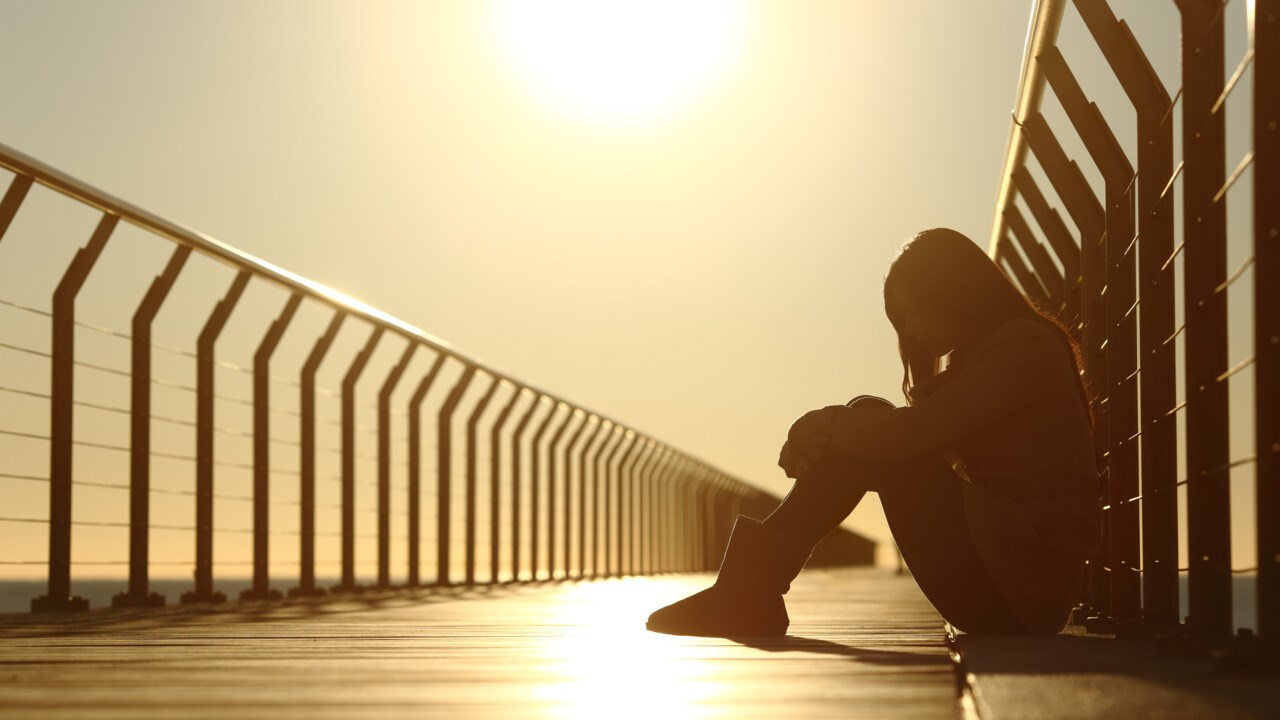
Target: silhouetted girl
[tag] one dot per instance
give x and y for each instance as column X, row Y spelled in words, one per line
column 987, row 476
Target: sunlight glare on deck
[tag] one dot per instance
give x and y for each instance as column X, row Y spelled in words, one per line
column 607, row 665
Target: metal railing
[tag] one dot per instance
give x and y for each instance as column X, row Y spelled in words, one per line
column 553, row 489
column 1146, row 288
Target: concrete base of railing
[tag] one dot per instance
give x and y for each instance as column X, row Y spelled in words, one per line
column 135, row 600
column 191, row 596
column 72, row 603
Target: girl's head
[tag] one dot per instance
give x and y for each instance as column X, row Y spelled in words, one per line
column 943, row 292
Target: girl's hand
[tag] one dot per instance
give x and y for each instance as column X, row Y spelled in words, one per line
column 807, row 441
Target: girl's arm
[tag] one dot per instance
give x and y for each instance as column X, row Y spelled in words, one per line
column 1012, row 372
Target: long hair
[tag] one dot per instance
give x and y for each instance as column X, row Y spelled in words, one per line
column 945, row 269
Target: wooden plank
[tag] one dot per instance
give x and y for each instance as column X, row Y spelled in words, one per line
column 863, row 642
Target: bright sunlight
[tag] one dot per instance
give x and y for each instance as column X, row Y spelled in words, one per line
column 620, row 62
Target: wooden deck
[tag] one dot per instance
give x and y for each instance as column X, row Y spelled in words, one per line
column 863, row 643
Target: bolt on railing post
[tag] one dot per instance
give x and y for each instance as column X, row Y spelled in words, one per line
column 472, row 422
column 415, row 468
column 444, row 471
column 585, row 470
column 1266, row 288
column 384, row 463
column 61, row 411
column 139, row 594
column 568, row 494
column 204, row 591
column 13, row 198
column 261, row 589
column 495, row 485
column 515, row 485
column 348, row 581
column 307, row 479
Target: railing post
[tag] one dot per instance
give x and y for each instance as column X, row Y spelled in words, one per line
column 204, row 591
column 1087, row 213
column 348, row 582
column 680, row 473
column 384, row 463
column 640, row 479
column 600, row 497
column 568, row 494
column 1204, row 269
column 535, row 519
column 1027, row 279
column 1045, row 270
column 613, row 497
column 648, row 518
column 1059, row 237
column 307, row 480
column 715, row 520
column 444, row 470
column 61, row 411
column 700, row 524
column 261, row 589
column 1159, row 384
column 551, row 490
column 515, row 486
column 415, row 469
column 693, row 526
column 13, row 198
column 626, row 472
column 472, row 422
column 652, row 478
column 585, row 469
column 139, row 594
column 1266, row 338
column 495, row 484
column 1122, row 337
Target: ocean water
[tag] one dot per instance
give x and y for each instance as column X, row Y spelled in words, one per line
column 16, row 595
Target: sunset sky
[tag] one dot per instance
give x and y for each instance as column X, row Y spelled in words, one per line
column 681, row 216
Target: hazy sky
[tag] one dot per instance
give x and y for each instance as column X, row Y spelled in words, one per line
column 705, row 270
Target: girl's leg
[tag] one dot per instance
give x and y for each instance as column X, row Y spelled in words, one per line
column 924, row 507
column 816, row 505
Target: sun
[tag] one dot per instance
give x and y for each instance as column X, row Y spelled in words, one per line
column 619, row 62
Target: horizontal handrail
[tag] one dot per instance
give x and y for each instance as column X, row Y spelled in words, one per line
column 1042, row 33
column 23, row 164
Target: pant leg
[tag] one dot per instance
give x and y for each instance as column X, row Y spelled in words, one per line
column 923, row 503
